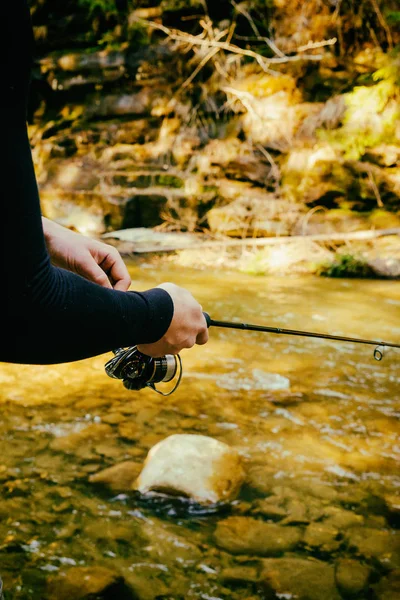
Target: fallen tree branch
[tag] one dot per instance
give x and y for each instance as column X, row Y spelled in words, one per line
column 132, row 247
column 367, row 234
column 186, row 38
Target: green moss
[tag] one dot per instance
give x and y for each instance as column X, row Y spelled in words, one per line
column 169, row 181
column 178, row 5
column 371, row 116
column 101, row 6
column 346, row 265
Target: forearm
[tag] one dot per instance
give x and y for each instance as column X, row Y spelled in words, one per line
column 51, row 315
column 55, row 315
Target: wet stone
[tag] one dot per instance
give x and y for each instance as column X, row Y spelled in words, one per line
column 195, row 466
column 89, row 404
column 262, row 479
column 321, row 536
column 269, row 508
column 240, row 575
column 113, row 418
column 108, row 449
column 381, row 545
column 300, row 579
column 77, row 442
column 118, row 478
column 351, row 577
column 245, row 535
column 81, row 583
column 392, row 503
column 129, row 430
column 341, row 518
column 389, row 587
column 297, row 513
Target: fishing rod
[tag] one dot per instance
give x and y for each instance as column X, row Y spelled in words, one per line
column 138, row 370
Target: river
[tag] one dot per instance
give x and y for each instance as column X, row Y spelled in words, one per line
column 316, row 422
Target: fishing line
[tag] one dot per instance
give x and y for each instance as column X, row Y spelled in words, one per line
column 138, row 371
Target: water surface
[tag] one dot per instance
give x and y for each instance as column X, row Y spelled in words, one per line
column 316, row 422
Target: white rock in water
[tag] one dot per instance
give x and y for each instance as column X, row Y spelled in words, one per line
column 195, row 466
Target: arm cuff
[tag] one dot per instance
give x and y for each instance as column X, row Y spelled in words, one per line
column 161, row 310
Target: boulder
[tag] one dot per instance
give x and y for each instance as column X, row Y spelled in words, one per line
column 196, row 466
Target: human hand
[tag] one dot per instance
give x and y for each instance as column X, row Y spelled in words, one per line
column 188, row 326
column 93, row 260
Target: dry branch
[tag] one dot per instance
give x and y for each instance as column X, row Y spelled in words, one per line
column 199, row 40
column 365, row 235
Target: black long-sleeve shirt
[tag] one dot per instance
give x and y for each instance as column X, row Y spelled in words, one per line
column 50, row 315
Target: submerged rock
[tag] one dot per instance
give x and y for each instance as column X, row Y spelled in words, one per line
column 388, row 587
column 322, row 536
column 381, row 545
column 81, row 439
column 300, row 579
column 351, row 577
column 245, row 535
column 196, row 466
column 81, row 583
column 118, row 478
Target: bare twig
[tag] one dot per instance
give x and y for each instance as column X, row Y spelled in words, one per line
column 199, row 40
column 313, row 45
column 375, row 189
column 383, row 23
column 199, row 67
column 274, row 167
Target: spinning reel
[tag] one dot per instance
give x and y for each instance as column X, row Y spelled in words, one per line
column 138, row 370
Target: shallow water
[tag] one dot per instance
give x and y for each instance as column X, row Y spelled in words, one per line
column 316, row 422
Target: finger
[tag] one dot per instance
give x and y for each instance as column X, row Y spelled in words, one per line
column 202, row 338
column 90, row 270
column 117, row 272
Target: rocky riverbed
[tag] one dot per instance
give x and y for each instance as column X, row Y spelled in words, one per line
column 314, row 422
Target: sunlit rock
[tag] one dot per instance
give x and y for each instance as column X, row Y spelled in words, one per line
column 195, row 466
column 119, row 477
column 245, row 535
column 300, row 579
column 258, row 215
column 351, row 577
column 81, row 583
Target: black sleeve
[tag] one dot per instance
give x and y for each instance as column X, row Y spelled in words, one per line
column 50, row 315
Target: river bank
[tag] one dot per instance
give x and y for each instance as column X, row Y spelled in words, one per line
column 179, row 116
column 365, row 254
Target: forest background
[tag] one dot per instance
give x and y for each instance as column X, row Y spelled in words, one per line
column 262, row 135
